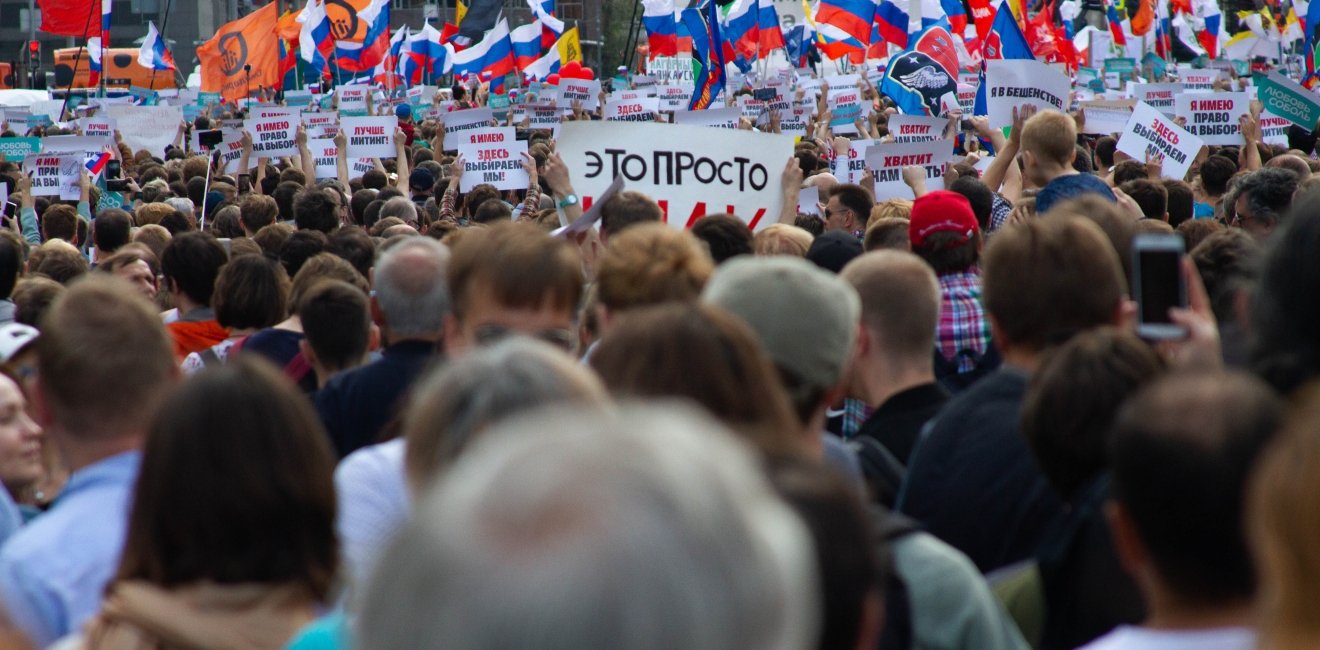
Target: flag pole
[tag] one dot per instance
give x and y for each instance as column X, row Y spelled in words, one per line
column 164, row 24
column 96, row 11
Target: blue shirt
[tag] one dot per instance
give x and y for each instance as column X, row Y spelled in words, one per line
column 54, row 571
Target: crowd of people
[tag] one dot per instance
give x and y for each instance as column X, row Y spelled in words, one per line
column 250, row 408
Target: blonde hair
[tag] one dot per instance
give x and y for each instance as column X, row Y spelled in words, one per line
column 891, row 209
column 1051, row 136
column 651, row 263
column 782, row 239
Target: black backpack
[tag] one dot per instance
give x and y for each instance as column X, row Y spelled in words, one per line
column 888, row 528
column 946, row 371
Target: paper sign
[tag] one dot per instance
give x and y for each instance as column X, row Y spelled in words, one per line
column 1015, row 83
column 887, row 161
column 849, row 168
column 640, row 109
column 97, row 126
column 352, row 99
column 722, row 118
column 12, row 149
column 691, row 171
column 586, row 91
column 146, row 127
column 1196, row 81
column 263, row 112
column 967, row 98
column 472, row 118
column 1159, row 96
column 845, row 105
column 544, row 118
column 273, row 137
column 1287, row 99
column 492, row 156
column 326, row 157
column 916, row 128
column 1213, row 117
column 809, row 201
column 1150, row 131
column 315, row 119
column 794, row 121
column 231, row 147
column 51, row 174
column 673, row 98
column 1106, row 117
column 589, row 218
column 370, row 137
column 1273, row 129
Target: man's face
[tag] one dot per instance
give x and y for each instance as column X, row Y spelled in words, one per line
column 838, row 217
column 487, row 322
column 140, row 275
column 1252, row 223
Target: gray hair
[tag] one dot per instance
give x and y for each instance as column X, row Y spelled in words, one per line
column 182, row 204
column 401, row 207
column 650, row 528
column 410, row 287
column 451, row 406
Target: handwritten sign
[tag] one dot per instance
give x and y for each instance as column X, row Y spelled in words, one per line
column 51, row 174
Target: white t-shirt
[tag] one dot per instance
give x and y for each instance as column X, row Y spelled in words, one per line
column 1140, row 638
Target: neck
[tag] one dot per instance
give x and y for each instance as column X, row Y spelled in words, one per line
column 82, row 453
column 1019, row 357
column 1048, row 172
column 877, row 381
column 1169, row 612
column 183, row 303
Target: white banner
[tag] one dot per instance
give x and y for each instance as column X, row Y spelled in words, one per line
column 472, row 118
column 1104, row 117
column 273, row 137
column 722, row 118
column 370, row 137
column 146, row 127
column 1015, row 83
column 887, row 161
column 916, row 128
column 52, row 175
column 1150, row 131
column 492, row 156
column 1213, row 117
column 352, row 99
column 690, row 171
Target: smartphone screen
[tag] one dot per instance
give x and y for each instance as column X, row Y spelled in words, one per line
column 1160, row 284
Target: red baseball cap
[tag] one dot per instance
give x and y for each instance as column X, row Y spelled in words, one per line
column 941, row 211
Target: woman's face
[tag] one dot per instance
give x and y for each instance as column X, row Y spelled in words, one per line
column 20, row 439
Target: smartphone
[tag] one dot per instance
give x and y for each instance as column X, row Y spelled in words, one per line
column 210, row 139
column 1158, row 284
column 113, row 168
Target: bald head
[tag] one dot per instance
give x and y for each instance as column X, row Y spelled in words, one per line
column 900, row 302
column 411, row 292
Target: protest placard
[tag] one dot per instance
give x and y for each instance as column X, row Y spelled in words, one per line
column 637, row 109
column 316, row 119
column 103, row 127
column 1213, row 117
column 845, row 106
column 586, row 91
column 472, row 118
column 1151, row 132
column 916, row 128
column 52, row 173
column 1106, row 117
column 967, row 98
column 809, row 201
column 1197, row 81
column 370, row 137
column 723, row 118
column 263, row 112
column 794, row 121
column 419, row 96
column 849, row 168
column 1287, row 99
column 325, row 155
column 690, row 171
column 673, row 98
column 352, row 99
column 1158, row 96
column 544, row 118
column 12, row 149
column 146, row 127
column 231, row 147
column 273, row 137
column 887, row 161
column 493, row 156
column 1015, row 83
column 1274, row 129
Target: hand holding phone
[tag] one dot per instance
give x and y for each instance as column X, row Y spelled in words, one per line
column 1158, row 284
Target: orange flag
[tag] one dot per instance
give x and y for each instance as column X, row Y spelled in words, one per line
column 1144, row 18
column 248, row 41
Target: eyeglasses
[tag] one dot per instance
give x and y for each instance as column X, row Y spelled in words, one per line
column 563, row 339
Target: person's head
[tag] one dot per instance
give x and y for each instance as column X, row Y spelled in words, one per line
column 1227, row 261
column 1214, row 174
column 805, row 319
column 900, row 309
column 725, row 236
column 154, row 237
column 781, row 239
column 236, row 487
column 832, row 250
column 111, row 230
column 151, row 213
column 191, row 264
column 1293, row 162
column 314, row 209
column 1049, row 143
column 12, row 258
column 512, row 279
column 889, row 233
column 1263, row 196
column 271, row 238
column 1104, row 153
column 401, row 208
column 1181, row 205
column 1049, row 279
column 137, row 265
column 1150, row 196
column 284, row 195
column 299, row 247
column 412, row 298
column 459, row 401
column 1180, row 455
column 848, row 208
column 104, row 363
column 60, row 221
column 648, row 265
column 336, row 323
column 1286, row 349
column 355, row 246
column 981, row 199
column 1073, row 398
column 250, row 293
column 704, row 354
column 420, row 182
column 324, row 266
column 944, row 232
column 20, row 437
column 33, row 297
column 660, row 525
column 627, row 209
column 1128, row 171
column 256, row 211
column 59, row 260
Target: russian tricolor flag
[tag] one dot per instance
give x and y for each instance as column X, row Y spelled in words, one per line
column 851, row 17
column 526, row 42
column 95, row 165
column 364, row 56
column 315, row 42
column 97, row 44
column 741, row 29
column 892, row 24
column 1115, row 25
column 544, row 66
column 153, row 54
column 424, row 52
column 494, row 53
column 771, row 34
column 661, row 27
column 387, row 71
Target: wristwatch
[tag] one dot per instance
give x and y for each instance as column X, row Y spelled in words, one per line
column 568, row 200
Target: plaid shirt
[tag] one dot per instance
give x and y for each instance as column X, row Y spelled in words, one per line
column 963, row 326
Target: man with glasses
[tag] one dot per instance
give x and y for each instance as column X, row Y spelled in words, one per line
column 1261, row 199
column 848, row 209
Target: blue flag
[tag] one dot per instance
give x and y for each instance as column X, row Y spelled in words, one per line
column 703, row 23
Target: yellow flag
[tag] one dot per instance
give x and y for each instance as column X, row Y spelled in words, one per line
column 569, row 47
column 459, row 12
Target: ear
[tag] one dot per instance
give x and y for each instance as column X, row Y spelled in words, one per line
column 41, row 410
column 377, row 314
column 1127, row 541
column 373, row 338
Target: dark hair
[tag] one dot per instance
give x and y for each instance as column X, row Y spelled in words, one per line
column 314, row 210
column 192, row 260
column 810, row 223
column 236, row 487
column 354, row 245
column 1073, row 398
column 1215, row 173
column 62, row 264
column 176, row 223
column 111, row 230
column 516, row 265
column 374, row 179
column 196, row 190
column 1268, row 192
column 284, row 195
column 337, row 323
column 300, row 246
column 1149, row 195
column 855, row 198
column 358, row 205
column 1227, row 261
column 492, row 210
column 950, row 252
column 1082, row 161
column 1287, row 301
column 980, row 196
column 12, row 254
column 1181, row 204
column 32, row 296
column 725, row 235
column 1128, row 170
column 60, row 221
column 626, row 209
column 250, row 293
column 1104, row 151
column 1180, row 454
